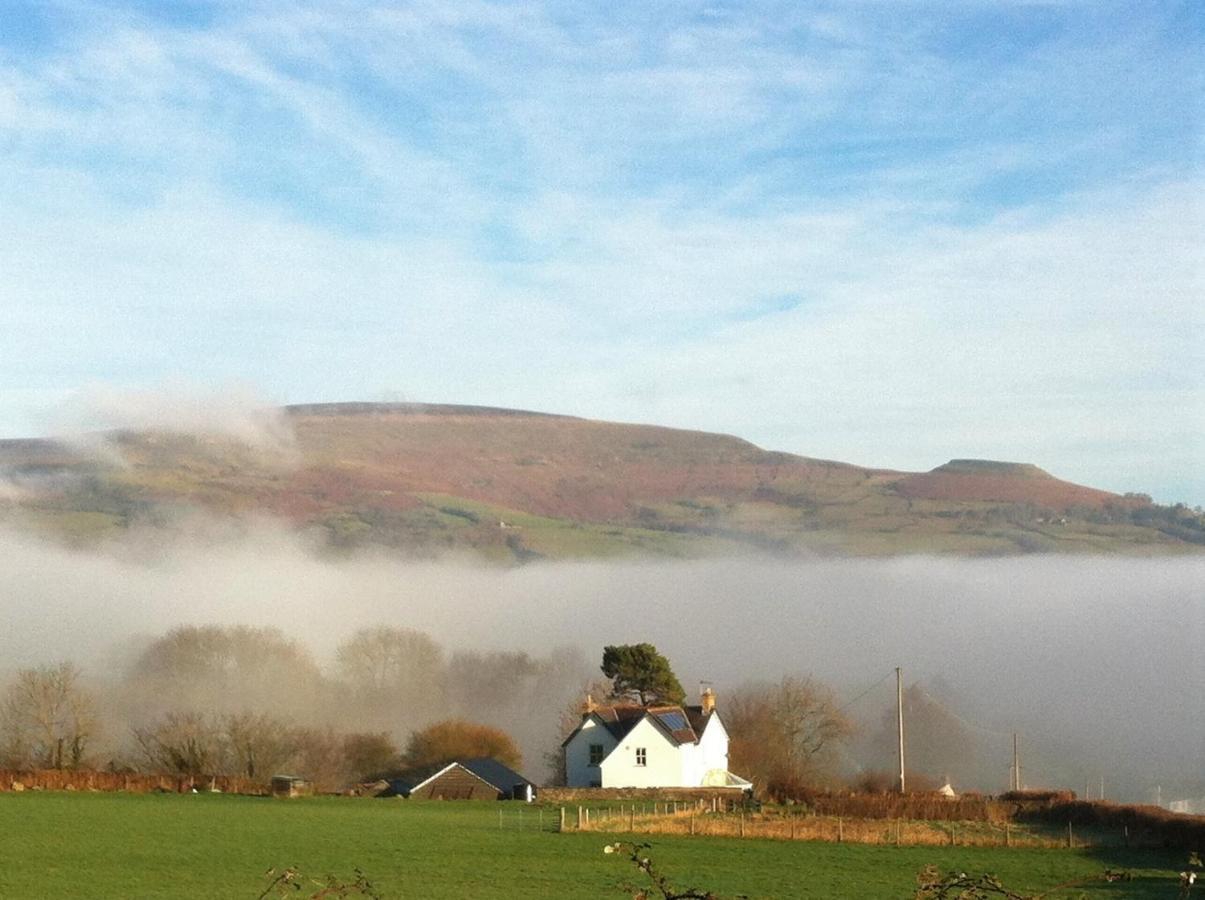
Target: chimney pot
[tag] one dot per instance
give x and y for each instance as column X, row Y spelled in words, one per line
column 708, row 701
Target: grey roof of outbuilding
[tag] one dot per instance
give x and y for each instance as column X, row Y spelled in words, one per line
column 487, row 769
column 492, row 772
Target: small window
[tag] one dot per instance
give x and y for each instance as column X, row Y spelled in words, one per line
column 642, row 756
column 596, row 754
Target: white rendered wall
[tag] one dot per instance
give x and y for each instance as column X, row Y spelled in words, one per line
column 712, row 751
column 664, row 762
column 578, row 771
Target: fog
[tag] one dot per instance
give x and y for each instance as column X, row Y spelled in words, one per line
column 1098, row 663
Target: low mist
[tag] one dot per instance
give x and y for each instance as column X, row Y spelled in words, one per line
column 1099, row 664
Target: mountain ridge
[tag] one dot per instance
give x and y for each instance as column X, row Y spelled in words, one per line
column 424, row 479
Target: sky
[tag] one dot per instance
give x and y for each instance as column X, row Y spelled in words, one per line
column 889, row 232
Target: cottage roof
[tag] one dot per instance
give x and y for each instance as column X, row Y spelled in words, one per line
column 681, row 724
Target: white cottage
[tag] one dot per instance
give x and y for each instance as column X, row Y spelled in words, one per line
column 630, row 746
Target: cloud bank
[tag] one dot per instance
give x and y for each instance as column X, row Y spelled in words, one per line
column 1096, row 662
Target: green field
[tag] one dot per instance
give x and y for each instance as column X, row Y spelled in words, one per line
column 214, row 846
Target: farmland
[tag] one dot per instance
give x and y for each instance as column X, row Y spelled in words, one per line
column 183, row 846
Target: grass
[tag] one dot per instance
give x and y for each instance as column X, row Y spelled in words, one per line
column 185, row 846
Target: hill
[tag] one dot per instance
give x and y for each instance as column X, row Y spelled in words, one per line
column 514, row 485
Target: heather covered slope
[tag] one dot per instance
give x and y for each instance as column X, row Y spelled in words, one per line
column 513, row 485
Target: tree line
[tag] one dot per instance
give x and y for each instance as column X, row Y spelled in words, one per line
column 235, row 700
column 252, row 702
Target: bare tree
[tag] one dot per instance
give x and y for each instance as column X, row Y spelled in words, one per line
column 257, row 745
column 225, row 668
column 782, row 734
column 390, row 661
column 321, row 758
column 251, row 745
column 939, row 744
column 48, row 718
column 187, row 743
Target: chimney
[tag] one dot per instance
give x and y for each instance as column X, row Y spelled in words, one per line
column 589, row 705
column 708, row 701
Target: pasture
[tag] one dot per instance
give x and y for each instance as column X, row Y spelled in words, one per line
column 206, row 846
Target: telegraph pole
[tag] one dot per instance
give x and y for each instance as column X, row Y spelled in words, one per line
column 1016, row 763
column 899, row 709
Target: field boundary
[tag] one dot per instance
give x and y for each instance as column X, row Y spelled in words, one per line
column 18, row 780
column 702, row 819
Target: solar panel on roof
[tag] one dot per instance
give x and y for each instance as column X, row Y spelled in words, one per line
column 672, row 720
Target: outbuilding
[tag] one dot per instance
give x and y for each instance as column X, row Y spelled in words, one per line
column 467, row 779
column 290, row 786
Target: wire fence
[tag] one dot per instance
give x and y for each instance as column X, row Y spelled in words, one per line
column 693, row 820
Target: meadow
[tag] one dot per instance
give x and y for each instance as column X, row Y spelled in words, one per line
column 194, row 846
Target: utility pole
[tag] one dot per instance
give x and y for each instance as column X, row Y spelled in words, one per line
column 1102, row 788
column 1016, row 763
column 899, row 709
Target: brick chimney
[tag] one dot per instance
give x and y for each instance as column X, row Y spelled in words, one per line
column 708, row 701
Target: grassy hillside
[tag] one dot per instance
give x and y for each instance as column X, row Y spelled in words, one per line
column 513, row 485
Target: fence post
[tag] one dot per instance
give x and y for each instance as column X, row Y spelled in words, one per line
column 1007, row 835
column 580, row 820
column 897, row 832
column 1125, row 835
column 499, row 818
column 1070, row 837
column 692, row 823
column 840, row 830
column 953, row 832
column 562, row 828
column 792, row 827
column 742, row 823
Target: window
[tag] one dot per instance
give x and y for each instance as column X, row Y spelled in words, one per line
column 596, row 754
column 642, row 756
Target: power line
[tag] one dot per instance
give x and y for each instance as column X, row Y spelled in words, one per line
column 846, row 706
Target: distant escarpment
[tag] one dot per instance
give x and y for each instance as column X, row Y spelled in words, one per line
column 420, row 480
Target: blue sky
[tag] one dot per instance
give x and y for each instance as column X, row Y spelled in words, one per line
column 887, row 232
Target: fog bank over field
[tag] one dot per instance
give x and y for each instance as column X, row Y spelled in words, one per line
column 1099, row 663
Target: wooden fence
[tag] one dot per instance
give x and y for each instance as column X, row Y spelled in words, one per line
column 698, row 819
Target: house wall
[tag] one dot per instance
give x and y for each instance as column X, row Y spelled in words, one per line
column 663, row 760
column 578, row 771
column 711, row 753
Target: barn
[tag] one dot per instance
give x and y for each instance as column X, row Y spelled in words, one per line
column 467, row 779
